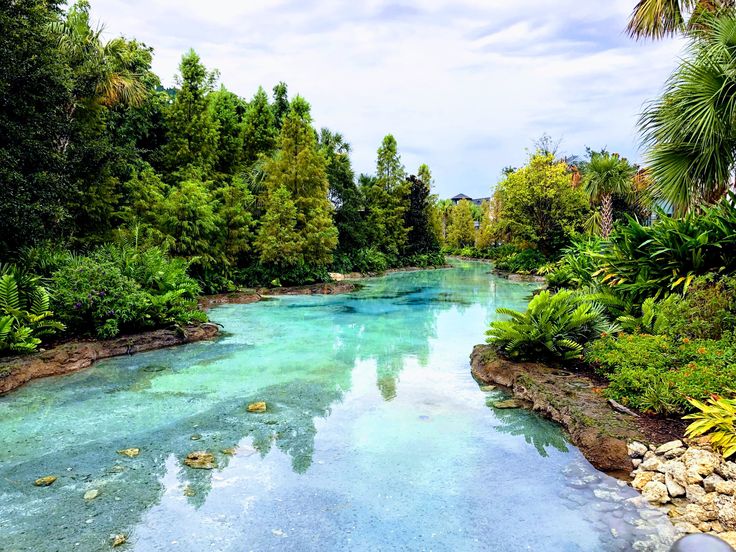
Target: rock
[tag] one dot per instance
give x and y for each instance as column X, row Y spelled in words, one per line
column 636, row 462
column 656, row 492
column 673, row 487
column 709, row 483
column 229, row 451
column 726, row 511
column 509, row 403
column 45, row 481
column 130, row 452
column 726, row 487
column 729, row 537
column 668, row 447
column 716, row 527
column 708, row 503
column 694, row 493
column 118, row 540
column 257, row 407
column 692, row 476
column 196, row 437
column 696, row 514
column 653, row 463
column 637, row 449
column 676, row 469
column 487, row 388
column 727, row 470
column 641, row 479
column 336, row 276
column 674, row 453
column 201, row 460
column 705, row 527
column 189, row 491
column 618, row 407
column 685, row 527
column 91, row 494
column 701, row 461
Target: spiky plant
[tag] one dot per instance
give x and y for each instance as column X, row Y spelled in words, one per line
column 716, row 419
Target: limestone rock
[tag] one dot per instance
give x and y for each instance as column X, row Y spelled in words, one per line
column 726, row 510
column 653, row 463
column 729, row 537
column 709, row 483
column 118, row 540
column 686, row 528
column 701, row 461
column 641, row 479
column 727, row 470
column 486, row 388
column 201, row 460
column 229, row 451
column 692, row 475
column 673, row 487
column 91, row 494
column 674, row 453
column 726, row 487
column 45, row 481
column 257, row 407
column 656, row 492
column 636, row 462
column 510, row 403
column 636, row 449
column 676, row 470
column 694, row 493
column 668, row 447
column 130, row 452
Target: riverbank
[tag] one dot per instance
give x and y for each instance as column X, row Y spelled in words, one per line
column 574, row 401
column 510, row 276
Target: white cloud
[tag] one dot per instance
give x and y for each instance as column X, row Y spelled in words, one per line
column 463, row 85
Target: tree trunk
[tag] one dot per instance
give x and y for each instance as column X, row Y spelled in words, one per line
column 606, row 215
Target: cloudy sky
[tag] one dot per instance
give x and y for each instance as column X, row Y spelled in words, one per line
column 464, row 85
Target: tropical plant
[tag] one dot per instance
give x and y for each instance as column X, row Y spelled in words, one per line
column 649, row 321
column 660, row 18
column 716, row 419
column 607, row 175
column 554, row 325
column 688, row 131
column 25, row 315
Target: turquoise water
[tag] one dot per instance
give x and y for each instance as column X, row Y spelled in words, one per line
column 376, row 438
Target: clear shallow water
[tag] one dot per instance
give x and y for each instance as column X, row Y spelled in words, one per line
column 376, row 438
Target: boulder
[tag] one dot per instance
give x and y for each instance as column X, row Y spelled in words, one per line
column 641, row 479
column 709, row 483
column 694, row 493
column 674, row 453
column 637, row 449
column 257, row 407
column 702, row 462
column 726, row 511
column 656, row 492
column 130, row 452
column 673, row 487
column 118, row 540
column 668, row 447
column 653, row 463
column 510, row 403
column 727, row 470
column 91, row 494
column 726, row 487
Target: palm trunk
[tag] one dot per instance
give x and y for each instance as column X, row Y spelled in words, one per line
column 606, row 215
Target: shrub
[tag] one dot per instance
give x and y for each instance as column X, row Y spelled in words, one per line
column 25, row 316
column 554, row 326
column 117, row 289
column 717, row 419
column 522, row 262
column 577, row 265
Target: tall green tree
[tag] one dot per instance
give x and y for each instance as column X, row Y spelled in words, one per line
column 235, row 204
column 227, row 110
column 34, row 91
column 387, row 201
column 461, row 226
column 608, row 175
column 422, row 237
column 281, row 105
column 193, row 132
column 344, row 193
column 279, row 241
column 259, row 129
column 689, row 130
column 300, row 168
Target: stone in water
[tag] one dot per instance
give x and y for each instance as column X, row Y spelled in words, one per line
column 91, row 494
column 200, row 460
column 44, row 481
column 257, row 407
column 130, row 452
column 510, row 403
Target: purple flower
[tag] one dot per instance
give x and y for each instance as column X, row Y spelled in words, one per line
column 101, row 294
column 78, row 305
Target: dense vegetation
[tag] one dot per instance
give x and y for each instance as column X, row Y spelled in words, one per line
column 122, row 201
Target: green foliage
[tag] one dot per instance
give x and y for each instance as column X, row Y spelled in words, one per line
column 650, row 261
column 607, row 175
column 117, row 290
column 279, row 242
column 258, row 129
column 539, row 207
column 227, row 111
column 715, row 418
column 461, row 226
column 25, row 314
column 422, row 238
column 578, row 264
column 386, row 201
column 526, row 261
column 553, row 326
column 658, row 373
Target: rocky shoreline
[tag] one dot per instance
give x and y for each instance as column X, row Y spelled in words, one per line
column 76, row 355
column 695, row 485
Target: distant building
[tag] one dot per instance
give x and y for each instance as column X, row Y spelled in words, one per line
column 460, row 197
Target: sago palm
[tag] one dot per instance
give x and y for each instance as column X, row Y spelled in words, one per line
column 608, row 175
column 689, row 131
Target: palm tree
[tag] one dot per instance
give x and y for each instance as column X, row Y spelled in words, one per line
column 689, row 130
column 660, row 18
column 607, row 175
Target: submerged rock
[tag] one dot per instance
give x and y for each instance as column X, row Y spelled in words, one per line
column 257, row 407
column 118, row 540
column 189, row 491
column 510, row 403
column 486, row 388
column 201, row 460
column 45, row 481
column 130, row 452
column 229, row 451
column 91, row 494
